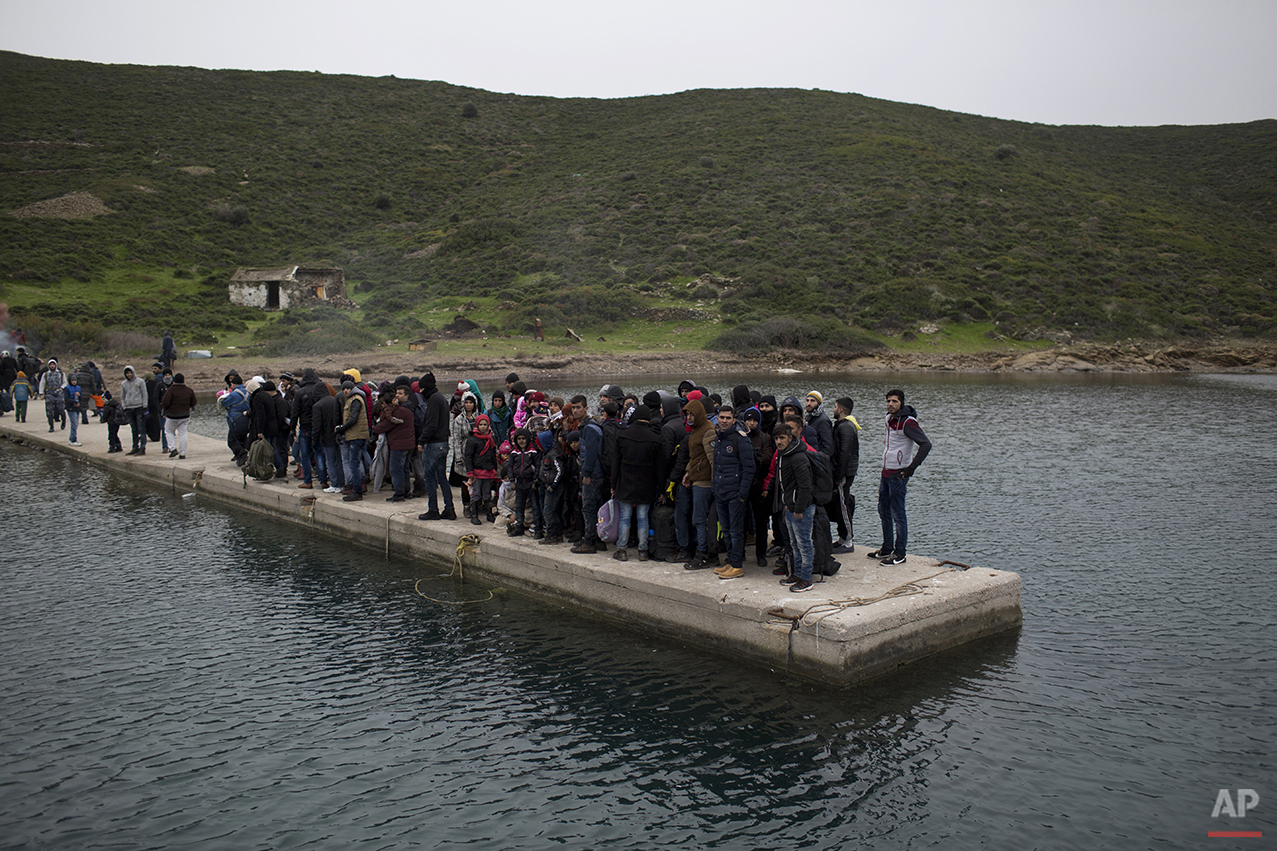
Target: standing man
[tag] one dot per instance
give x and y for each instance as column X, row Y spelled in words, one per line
column 906, row 447
column 845, row 463
column 354, row 429
column 592, row 475
column 133, row 397
column 168, row 350
column 794, row 500
column 434, row 450
column 819, row 420
column 52, row 383
column 733, row 474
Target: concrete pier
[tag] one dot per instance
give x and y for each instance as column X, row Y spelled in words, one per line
column 864, row 622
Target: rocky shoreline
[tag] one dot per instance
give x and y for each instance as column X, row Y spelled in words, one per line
column 1113, row 358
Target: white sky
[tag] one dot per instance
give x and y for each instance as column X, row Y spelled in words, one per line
column 1110, row 62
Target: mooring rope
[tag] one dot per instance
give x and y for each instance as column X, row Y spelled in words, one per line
column 465, row 544
column 824, row 610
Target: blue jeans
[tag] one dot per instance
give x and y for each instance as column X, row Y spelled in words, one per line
column 75, row 421
column 328, row 463
column 302, row 451
column 591, row 501
column 701, row 499
column 352, row 454
column 800, row 540
column 623, row 530
column 434, row 459
column 400, row 471
column 731, row 517
column 891, row 508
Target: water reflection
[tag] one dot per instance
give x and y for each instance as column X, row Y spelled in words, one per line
column 177, row 672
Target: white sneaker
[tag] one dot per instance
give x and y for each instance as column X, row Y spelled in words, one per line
column 73, row 443
column 332, row 490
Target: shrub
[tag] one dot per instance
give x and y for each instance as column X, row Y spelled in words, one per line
column 232, row 215
column 1006, row 152
column 812, row 334
column 382, row 202
column 469, row 110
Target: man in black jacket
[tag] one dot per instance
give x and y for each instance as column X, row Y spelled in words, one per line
column 433, row 444
column 302, row 407
column 846, row 462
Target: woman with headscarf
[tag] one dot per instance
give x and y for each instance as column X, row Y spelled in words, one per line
column 462, row 428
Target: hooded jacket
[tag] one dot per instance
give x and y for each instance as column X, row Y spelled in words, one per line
column 793, row 479
column 133, row 392
column 700, row 470
column 846, row 457
column 524, row 463
column 325, row 415
column 304, row 400
column 435, row 428
column 733, row 466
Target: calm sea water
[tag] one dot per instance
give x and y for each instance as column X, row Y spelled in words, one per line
column 175, row 672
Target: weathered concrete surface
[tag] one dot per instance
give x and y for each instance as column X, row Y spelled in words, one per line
column 864, row 622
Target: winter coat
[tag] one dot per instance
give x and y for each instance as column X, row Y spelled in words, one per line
column 636, row 466
column 399, row 435
column 699, row 461
column 793, row 479
column 325, row 415
column 846, row 455
column 733, row 468
column 522, row 467
column 178, row 402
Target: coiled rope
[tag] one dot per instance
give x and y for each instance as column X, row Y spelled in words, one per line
column 465, row 544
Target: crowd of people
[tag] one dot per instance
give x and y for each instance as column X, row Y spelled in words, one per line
column 683, row 475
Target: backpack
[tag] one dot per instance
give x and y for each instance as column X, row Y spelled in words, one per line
column 664, row 539
column 822, row 477
column 261, row 460
column 609, row 523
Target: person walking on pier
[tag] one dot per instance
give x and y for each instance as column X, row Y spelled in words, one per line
column 906, row 447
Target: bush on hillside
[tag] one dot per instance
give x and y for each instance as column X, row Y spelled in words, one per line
column 812, row 334
column 317, row 331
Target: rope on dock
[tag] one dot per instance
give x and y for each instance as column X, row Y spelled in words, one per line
column 824, row 610
column 465, row 544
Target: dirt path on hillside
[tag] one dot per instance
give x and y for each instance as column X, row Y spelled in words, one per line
column 557, row 367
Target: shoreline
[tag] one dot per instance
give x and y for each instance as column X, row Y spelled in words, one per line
column 1127, row 358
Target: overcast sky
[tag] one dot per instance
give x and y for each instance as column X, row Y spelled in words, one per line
column 1113, row 62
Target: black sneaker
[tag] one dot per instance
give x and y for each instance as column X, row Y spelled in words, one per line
column 352, row 497
column 448, row 514
column 780, row 570
column 430, row 515
column 552, row 539
column 538, row 534
column 584, row 547
column 789, row 579
column 893, row 559
column 800, row 585
column 775, row 550
column 700, row 561
column 881, row 552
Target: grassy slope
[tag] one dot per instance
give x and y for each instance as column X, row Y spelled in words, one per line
column 879, row 214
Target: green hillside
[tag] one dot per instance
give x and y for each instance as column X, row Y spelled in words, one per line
column 868, row 213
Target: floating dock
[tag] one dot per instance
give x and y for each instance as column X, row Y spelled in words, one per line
column 864, row 622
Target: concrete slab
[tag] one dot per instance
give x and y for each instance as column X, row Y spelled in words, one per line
column 864, row 622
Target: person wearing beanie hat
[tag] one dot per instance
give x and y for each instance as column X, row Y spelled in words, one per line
column 845, row 462
column 819, row 420
column 270, row 423
column 21, row 391
column 354, row 429
column 511, row 380
column 176, row 405
column 51, row 387
column 435, row 432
